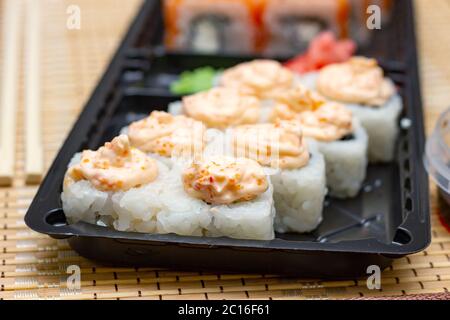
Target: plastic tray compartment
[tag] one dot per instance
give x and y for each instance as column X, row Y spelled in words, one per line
column 389, row 218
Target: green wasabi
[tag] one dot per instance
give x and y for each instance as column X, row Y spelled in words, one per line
column 194, row 81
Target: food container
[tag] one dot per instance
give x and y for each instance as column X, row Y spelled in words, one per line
column 388, row 219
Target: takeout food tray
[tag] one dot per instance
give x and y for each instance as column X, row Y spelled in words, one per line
column 387, row 220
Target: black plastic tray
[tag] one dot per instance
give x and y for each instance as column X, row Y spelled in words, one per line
column 389, row 218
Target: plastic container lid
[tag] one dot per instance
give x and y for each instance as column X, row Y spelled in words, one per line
column 437, row 153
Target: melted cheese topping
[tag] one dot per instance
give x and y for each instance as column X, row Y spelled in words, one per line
column 115, row 166
column 319, row 119
column 222, row 107
column 260, row 78
column 279, row 145
column 330, row 122
column 224, row 180
column 360, row 80
column 168, row 135
column 299, row 98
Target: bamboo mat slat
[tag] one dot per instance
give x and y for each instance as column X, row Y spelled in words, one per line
column 34, row 157
column 33, row 266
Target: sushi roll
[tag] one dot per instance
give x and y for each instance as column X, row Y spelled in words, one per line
column 211, row 26
column 259, row 78
column 361, row 85
column 291, row 24
column 168, row 138
column 116, row 186
column 297, row 171
column 339, row 136
column 238, row 193
column 220, row 108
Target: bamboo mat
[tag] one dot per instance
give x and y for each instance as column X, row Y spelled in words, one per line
column 33, row 266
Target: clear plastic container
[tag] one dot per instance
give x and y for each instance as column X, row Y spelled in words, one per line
column 437, row 155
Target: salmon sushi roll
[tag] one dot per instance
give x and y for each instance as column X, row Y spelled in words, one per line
column 212, row 26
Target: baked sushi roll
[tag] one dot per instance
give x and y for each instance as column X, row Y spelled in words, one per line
column 297, row 171
column 339, row 136
column 238, row 193
column 291, row 24
column 220, row 108
column 116, row 185
column 167, row 137
column 360, row 84
column 211, row 26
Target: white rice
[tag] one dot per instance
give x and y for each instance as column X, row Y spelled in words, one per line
column 181, row 214
column 217, row 78
column 175, row 108
column 245, row 220
column 308, row 80
column 346, row 163
column 381, row 123
column 299, row 195
column 81, row 201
